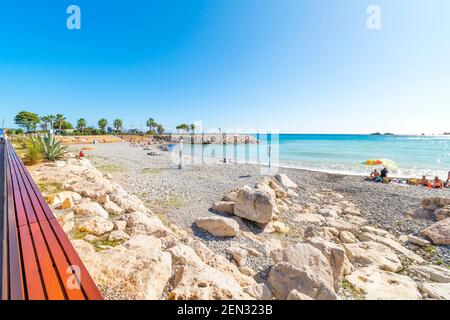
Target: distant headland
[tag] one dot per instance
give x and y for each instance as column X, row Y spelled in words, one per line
column 382, row 134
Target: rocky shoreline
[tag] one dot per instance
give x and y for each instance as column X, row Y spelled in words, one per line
column 226, row 232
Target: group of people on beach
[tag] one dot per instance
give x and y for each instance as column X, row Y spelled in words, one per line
column 436, row 183
column 381, row 176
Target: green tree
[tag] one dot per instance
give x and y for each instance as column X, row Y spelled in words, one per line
column 118, row 125
column 27, row 120
column 151, row 124
column 81, row 124
column 65, row 125
column 102, row 124
column 183, row 126
column 59, row 119
column 51, row 121
column 160, row 129
column 46, row 122
column 193, row 127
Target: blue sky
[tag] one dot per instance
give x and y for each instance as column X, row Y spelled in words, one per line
column 297, row 66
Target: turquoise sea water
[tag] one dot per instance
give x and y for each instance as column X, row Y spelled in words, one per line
column 414, row 155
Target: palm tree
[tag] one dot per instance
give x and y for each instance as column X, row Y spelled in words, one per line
column 45, row 122
column 118, row 124
column 59, row 120
column 151, row 124
column 160, row 129
column 51, row 121
column 102, row 124
column 81, row 124
column 193, row 127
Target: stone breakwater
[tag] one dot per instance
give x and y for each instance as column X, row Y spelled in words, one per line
column 297, row 245
column 213, row 138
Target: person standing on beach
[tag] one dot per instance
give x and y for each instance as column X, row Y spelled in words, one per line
column 447, row 183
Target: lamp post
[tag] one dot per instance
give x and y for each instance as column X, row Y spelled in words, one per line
column 181, row 164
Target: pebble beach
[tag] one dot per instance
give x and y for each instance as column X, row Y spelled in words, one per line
column 181, row 196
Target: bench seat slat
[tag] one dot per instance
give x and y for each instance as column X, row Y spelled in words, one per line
column 34, row 288
column 47, row 214
column 30, row 194
column 14, row 263
column 32, row 215
column 62, row 265
column 51, row 281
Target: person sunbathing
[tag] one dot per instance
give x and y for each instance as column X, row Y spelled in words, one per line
column 437, row 183
column 374, row 174
column 424, row 181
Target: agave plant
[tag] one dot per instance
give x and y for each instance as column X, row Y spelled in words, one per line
column 51, row 150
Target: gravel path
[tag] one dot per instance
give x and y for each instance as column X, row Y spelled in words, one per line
column 181, row 196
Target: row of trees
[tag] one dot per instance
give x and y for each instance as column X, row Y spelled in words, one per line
column 186, row 127
column 30, row 122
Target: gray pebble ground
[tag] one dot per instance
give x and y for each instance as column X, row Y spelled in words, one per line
column 181, row 196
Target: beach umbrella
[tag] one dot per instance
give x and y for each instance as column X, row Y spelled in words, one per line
column 381, row 162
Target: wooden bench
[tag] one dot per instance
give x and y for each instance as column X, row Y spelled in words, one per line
column 39, row 262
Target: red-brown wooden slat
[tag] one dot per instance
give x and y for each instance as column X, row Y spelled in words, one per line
column 49, row 276
column 30, row 183
column 38, row 212
column 20, row 209
column 61, row 263
column 88, row 284
column 14, row 263
column 34, row 288
column 27, row 203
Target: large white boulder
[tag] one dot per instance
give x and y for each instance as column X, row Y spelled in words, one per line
column 112, row 208
column 373, row 254
column 335, row 255
column 223, row 206
column 218, row 226
column 89, row 189
column 434, row 203
column 128, row 202
column 195, row 280
column 57, row 199
column 221, row 263
column 90, row 208
column 303, row 268
column 439, row 232
column 439, row 291
column 383, row 285
column 285, row 181
column 253, row 205
column 137, row 269
column 96, row 225
column 433, row 273
column 393, row 244
column 145, row 223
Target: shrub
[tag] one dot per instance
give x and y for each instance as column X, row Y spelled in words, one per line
column 33, row 153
